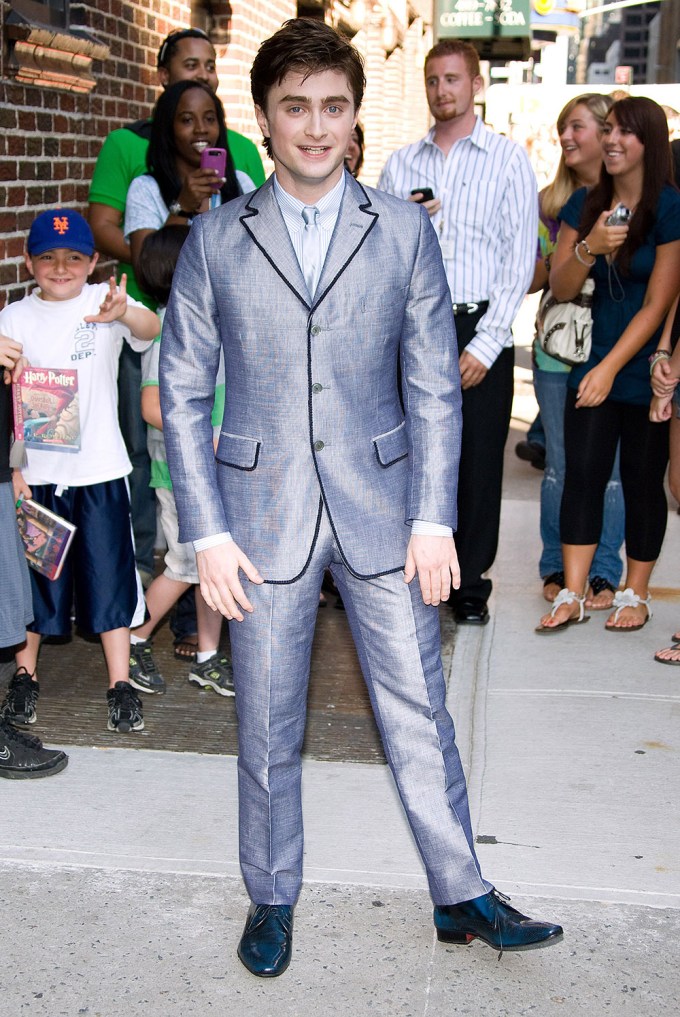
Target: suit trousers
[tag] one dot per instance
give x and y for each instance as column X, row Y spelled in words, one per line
column 486, row 421
column 398, row 644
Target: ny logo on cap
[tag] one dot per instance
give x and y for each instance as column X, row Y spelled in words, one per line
column 60, row 224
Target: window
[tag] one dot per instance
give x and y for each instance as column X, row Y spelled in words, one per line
column 54, row 13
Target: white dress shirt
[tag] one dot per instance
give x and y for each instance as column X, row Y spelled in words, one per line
column 291, row 210
column 487, row 225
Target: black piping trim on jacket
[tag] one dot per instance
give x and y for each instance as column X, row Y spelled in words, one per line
column 242, row 219
column 287, row 582
column 235, row 466
column 392, row 461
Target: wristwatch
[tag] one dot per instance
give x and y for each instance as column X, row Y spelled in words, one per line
column 176, row 209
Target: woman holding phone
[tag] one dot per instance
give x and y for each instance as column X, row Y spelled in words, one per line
column 188, row 119
column 636, row 270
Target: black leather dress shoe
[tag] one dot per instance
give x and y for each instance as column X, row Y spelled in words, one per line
column 492, row 920
column 471, row 611
column 267, row 939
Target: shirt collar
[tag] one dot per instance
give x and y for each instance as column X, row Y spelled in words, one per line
column 328, row 205
column 478, row 136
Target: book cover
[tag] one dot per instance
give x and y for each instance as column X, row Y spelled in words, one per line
column 46, row 536
column 46, row 413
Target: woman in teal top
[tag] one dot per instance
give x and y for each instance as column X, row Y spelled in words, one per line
column 579, row 127
column 636, row 268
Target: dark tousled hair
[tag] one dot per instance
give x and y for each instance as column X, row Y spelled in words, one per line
column 161, row 156
column 646, row 119
column 157, row 260
column 456, row 47
column 305, row 46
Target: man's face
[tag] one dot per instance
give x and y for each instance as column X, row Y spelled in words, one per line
column 309, row 121
column 450, row 87
column 60, row 273
column 193, row 58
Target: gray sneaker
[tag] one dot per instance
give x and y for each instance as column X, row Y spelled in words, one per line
column 215, row 673
column 144, row 674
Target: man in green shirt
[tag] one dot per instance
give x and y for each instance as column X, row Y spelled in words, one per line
column 184, row 54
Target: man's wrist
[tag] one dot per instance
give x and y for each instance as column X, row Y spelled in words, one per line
column 423, row 528
column 203, row 543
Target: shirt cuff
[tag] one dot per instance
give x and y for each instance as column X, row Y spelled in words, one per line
column 203, row 543
column 425, row 529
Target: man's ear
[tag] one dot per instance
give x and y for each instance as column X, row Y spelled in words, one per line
column 477, row 84
column 28, row 262
column 93, row 261
column 262, row 121
column 163, row 77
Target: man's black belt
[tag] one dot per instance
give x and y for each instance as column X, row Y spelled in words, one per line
column 471, row 308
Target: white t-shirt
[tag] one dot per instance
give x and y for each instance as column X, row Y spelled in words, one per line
column 145, row 208
column 54, row 334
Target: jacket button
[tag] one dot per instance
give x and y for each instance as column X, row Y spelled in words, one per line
column 315, row 329
column 318, row 445
column 316, row 387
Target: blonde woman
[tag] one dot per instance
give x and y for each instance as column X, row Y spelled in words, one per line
column 579, row 127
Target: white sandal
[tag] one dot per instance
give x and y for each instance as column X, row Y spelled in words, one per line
column 628, row 598
column 565, row 597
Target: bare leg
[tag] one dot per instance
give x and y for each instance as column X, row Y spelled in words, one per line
column 27, row 656
column 116, row 646
column 577, row 560
column 160, row 597
column 209, row 625
column 637, row 579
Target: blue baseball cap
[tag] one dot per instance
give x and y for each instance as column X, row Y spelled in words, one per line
column 60, row 227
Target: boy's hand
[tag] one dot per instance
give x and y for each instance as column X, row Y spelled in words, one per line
column 114, row 305
column 21, row 488
column 10, row 355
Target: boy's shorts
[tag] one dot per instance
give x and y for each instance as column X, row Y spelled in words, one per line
column 180, row 559
column 16, row 609
column 99, row 575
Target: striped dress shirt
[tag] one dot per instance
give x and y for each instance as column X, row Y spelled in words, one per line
column 487, row 225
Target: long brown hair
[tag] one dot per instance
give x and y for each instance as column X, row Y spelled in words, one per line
column 647, row 121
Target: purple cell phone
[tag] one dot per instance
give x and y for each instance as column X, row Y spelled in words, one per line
column 214, row 158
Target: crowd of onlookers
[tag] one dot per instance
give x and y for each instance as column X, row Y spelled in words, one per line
column 608, row 424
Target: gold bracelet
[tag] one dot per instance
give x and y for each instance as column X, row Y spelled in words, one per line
column 581, row 261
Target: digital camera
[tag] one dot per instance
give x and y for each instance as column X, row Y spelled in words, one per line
column 619, row 217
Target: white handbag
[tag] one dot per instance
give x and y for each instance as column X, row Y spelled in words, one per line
column 565, row 327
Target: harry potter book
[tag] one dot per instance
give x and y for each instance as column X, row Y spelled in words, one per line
column 46, row 536
column 46, row 413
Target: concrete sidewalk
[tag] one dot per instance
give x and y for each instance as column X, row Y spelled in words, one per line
column 119, row 879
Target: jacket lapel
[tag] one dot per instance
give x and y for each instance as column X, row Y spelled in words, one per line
column 264, row 223
column 355, row 221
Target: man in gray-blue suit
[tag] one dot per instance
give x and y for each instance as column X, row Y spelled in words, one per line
column 313, row 287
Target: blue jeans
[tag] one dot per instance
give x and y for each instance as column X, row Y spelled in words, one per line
column 551, row 390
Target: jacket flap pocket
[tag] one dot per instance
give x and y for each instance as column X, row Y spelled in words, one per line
column 391, row 446
column 237, row 451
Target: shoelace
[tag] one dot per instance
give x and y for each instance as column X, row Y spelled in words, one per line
column 147, row 662
column 20, row 692
column 28, row 740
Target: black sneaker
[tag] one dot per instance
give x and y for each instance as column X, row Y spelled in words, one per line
column 23, row 757
column 144, row 675
column 22, row 694
column 125, row 709
column 214, row 673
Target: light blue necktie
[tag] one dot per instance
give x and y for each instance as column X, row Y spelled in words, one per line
column 311, row 247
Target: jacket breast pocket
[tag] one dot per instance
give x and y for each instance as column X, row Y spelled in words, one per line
column 391, row 446
column 237, row 451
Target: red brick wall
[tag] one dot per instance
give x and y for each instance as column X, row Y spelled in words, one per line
column 49, row 139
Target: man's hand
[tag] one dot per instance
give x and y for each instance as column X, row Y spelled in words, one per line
column 663, row 383
column 431, row 207
column 472, row 371
column 11, row 359
column 218, row 569
column 21, row 488
column 436, row 562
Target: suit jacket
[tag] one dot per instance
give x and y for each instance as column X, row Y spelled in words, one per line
column 312, row 412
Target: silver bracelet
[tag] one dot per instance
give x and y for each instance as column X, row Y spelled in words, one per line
column 581, row 261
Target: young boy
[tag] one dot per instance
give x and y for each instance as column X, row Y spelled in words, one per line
column 21, row 755
column 69, row 324
column 212, row 669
